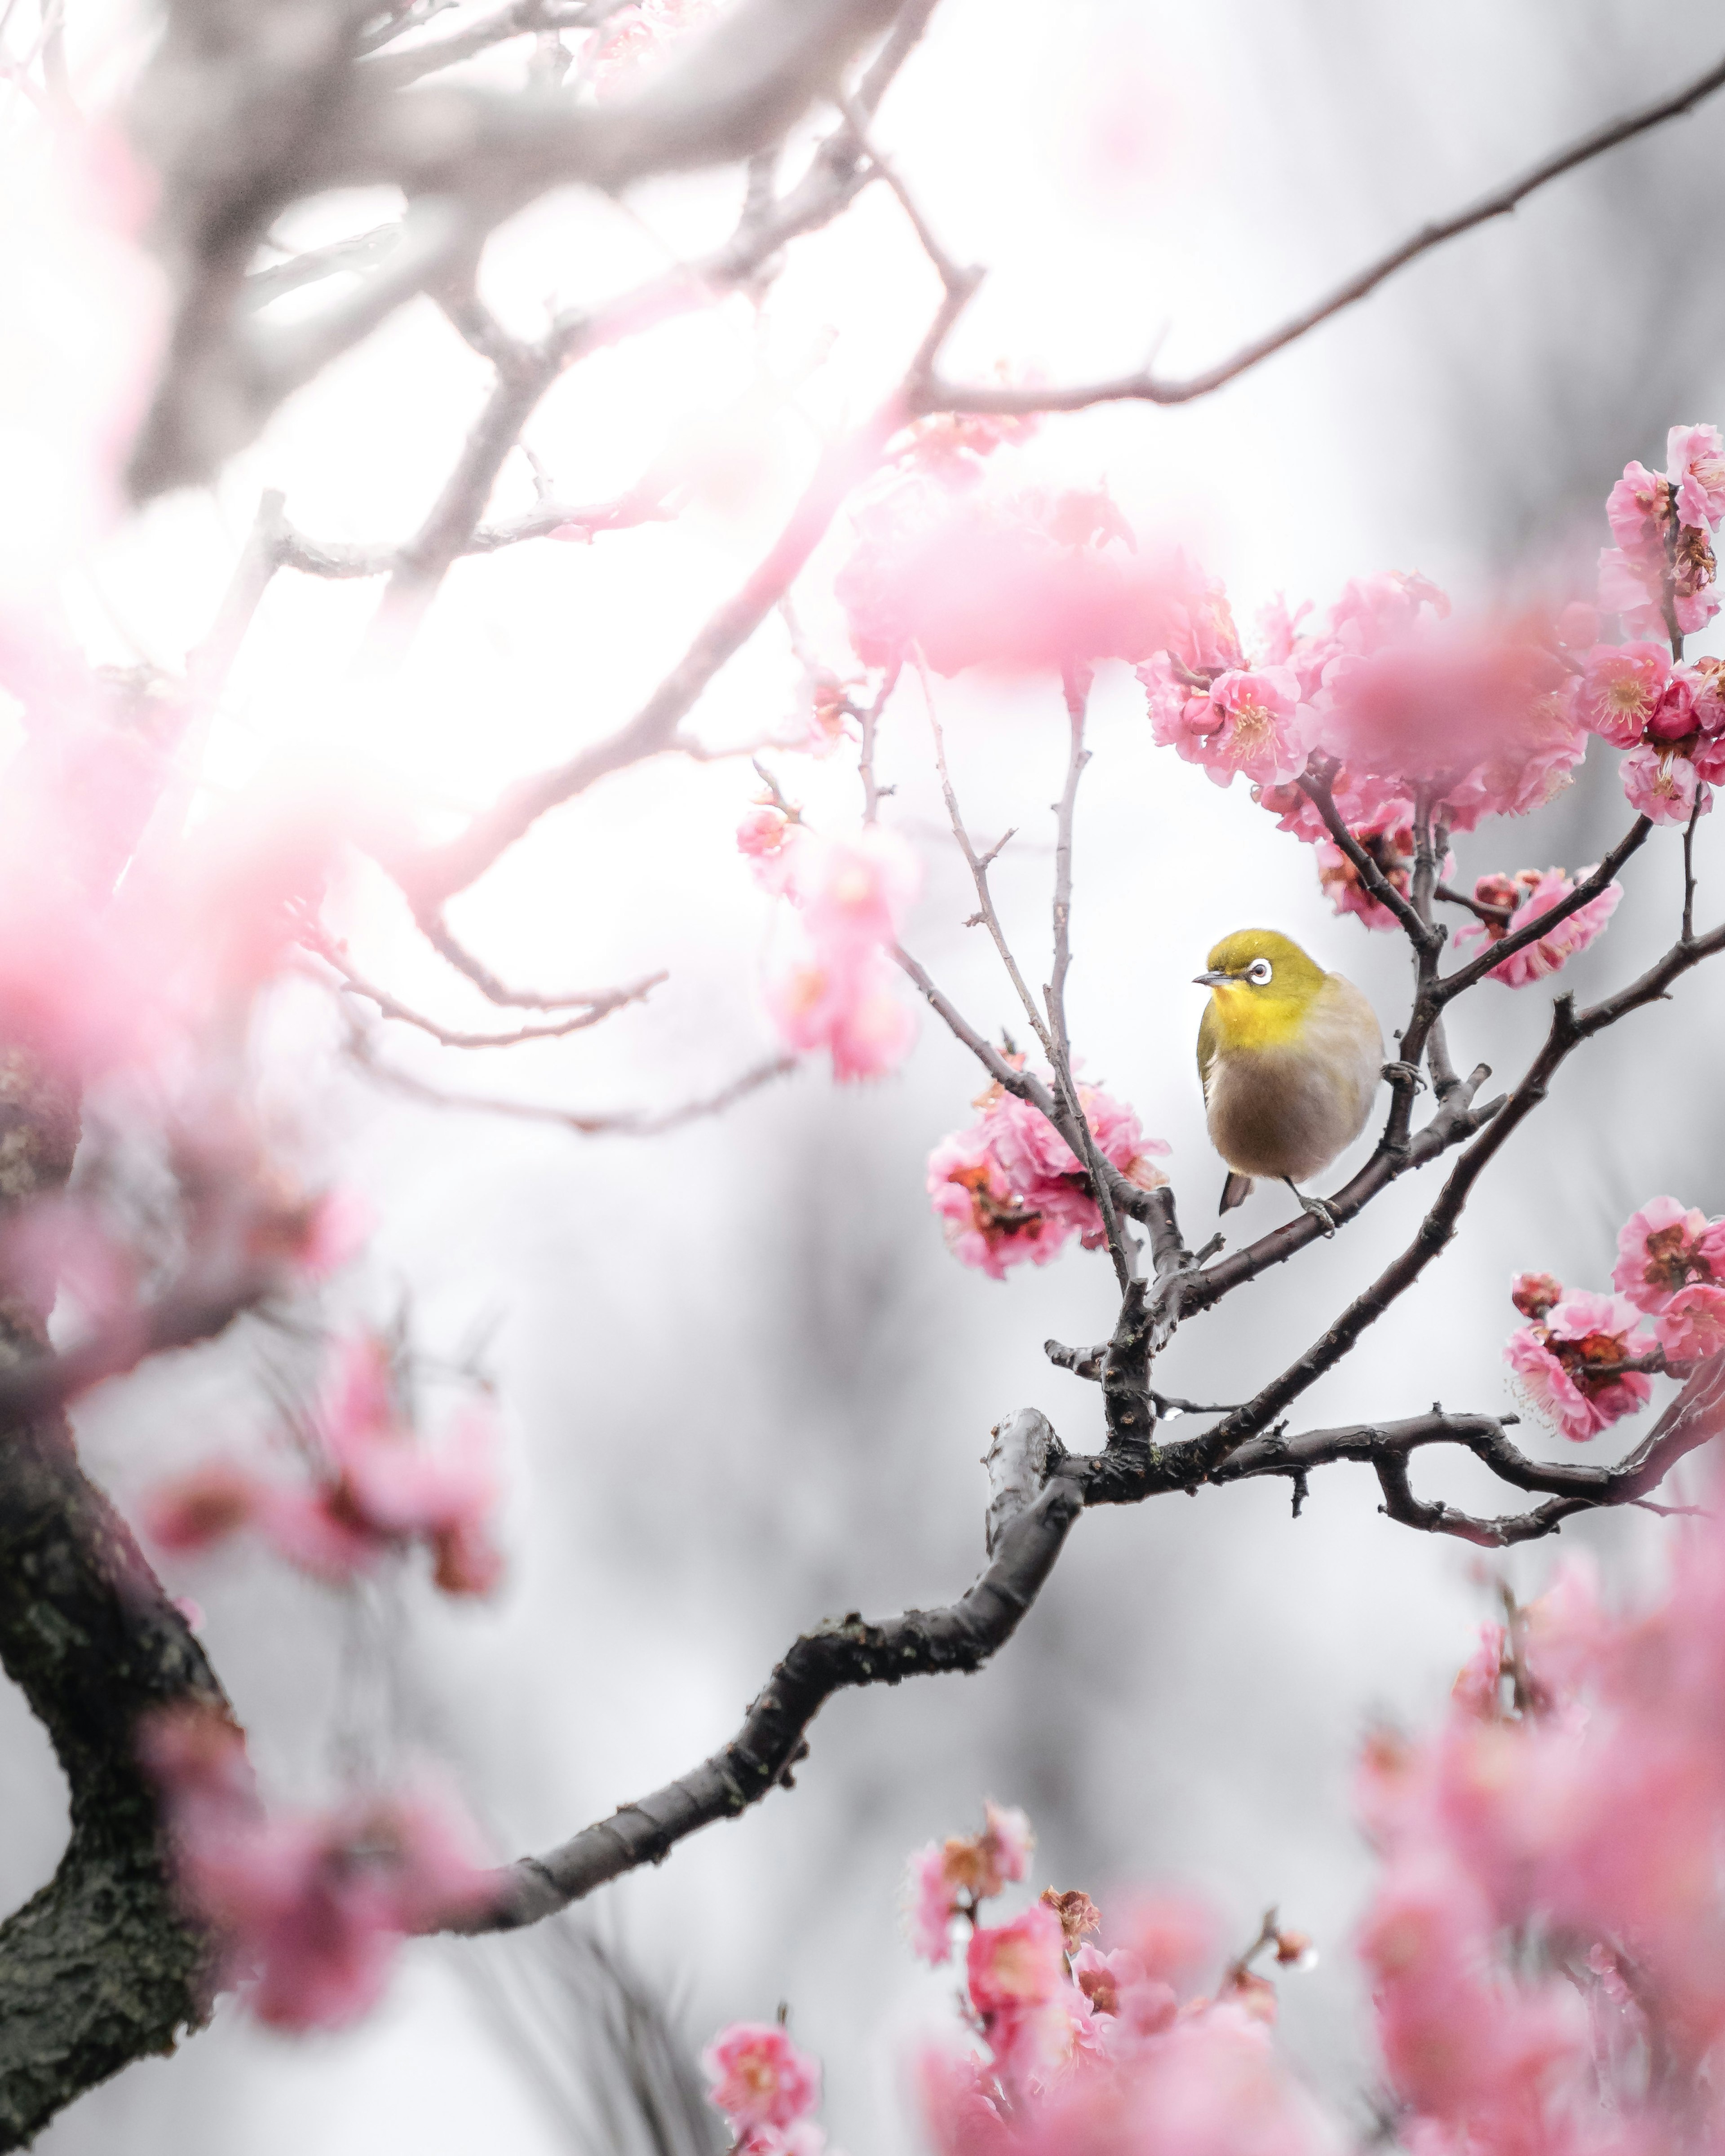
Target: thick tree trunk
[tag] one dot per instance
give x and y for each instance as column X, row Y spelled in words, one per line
column 98, row 1970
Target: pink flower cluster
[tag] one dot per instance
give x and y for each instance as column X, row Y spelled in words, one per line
column 309, row 1907
column 949, row 1878
column 1658, row 578
column 767, row 2088
column 374, row 1492
column 1009, row 1187
column 829, row 981
column 1671, row 1267
column 1567, row 1360
column 1671, row 719
column 1085, row 2050
column 1402, row 701
column 1528, row 894
column 1547, row 1941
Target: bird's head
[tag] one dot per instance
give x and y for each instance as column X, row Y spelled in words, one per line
column 1260, row 985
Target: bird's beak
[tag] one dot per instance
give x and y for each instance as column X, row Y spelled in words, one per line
column 1211, row 980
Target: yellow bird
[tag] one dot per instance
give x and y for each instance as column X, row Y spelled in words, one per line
column 1289, row 1057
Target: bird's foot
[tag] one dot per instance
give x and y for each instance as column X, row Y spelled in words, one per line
column 1400, row 1074
column 1315, row 1206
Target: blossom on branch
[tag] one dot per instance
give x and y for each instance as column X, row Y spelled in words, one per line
column 1530, row 893
column 1665, row 1248
column 1567, row 1364
column 956, row 1875
column 1009, row 1187
column 758, row 2078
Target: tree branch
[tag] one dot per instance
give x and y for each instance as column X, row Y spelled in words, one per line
column 938, row 396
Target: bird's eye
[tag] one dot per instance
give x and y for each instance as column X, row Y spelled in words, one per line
column 1259, row 972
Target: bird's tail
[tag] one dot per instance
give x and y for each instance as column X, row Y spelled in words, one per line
column 1236, row 1191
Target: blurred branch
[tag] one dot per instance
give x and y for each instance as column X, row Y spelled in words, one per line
column 284, row 105
column 939, row 396
column 624, row 1122
column 595, row 1010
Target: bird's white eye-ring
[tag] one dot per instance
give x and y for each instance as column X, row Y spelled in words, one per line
column 1259, row 972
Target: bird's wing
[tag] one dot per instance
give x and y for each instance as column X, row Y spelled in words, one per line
column 1207, row 1046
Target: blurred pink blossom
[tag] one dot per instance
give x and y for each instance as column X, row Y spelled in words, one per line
column 309, row 1907
column 1028, row 581
column 374, row 1492
column 828, row 982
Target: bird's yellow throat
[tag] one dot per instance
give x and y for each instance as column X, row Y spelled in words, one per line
column 1247, row 1018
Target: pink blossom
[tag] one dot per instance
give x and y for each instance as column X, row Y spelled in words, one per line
column 1364, row 801
column 1009, row 1187
column 757, row 2076
column 1664, row 1247
column 846, row 1002
column 763, row 833
column 827, row 983
column 1694, row 465
column 1619, row 689
column 1634, row 508
column 1011, row 1967
column 1554, row 1362
column 1533, row 894
column 854, row 893
column 963, row 1872
column 1252, row 722
column 988, row 1224
column 1692, row 1326
column 1663, row 786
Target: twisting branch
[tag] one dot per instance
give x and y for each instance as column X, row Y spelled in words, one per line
column 1147, row 387
column 832, row 1658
